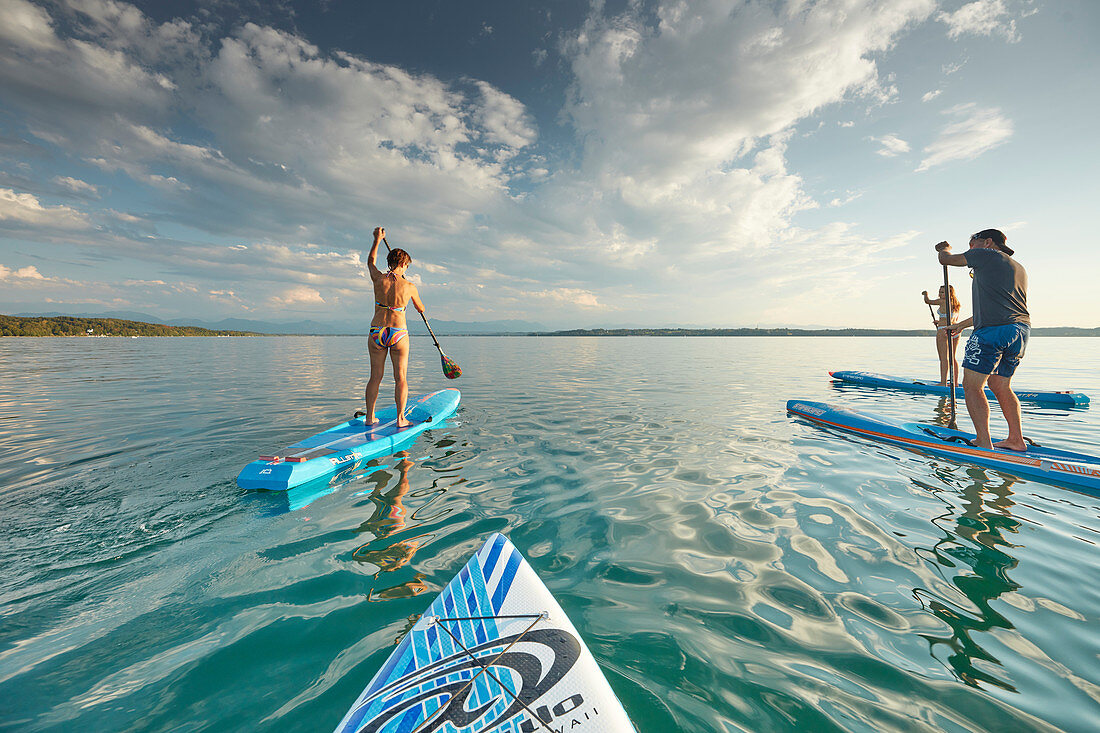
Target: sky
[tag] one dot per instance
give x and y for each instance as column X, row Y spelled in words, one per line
column 692, row 163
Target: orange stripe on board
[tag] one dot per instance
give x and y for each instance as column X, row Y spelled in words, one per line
column 1007, row 457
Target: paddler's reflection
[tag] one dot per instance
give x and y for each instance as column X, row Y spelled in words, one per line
column 974, row 547
column 389, row 518
column 941, row 415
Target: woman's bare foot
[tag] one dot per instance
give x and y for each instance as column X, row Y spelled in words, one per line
column 403, row 423
column 1017, row 445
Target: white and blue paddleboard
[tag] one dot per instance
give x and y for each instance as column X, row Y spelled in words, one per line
column 1061, row 398
column 348, row 443
column 494, row 652
column 1079, row 470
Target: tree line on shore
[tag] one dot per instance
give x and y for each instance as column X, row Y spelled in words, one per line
column 74, row 326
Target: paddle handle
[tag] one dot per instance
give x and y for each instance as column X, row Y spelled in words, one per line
column 950, row 351
column 434, row 339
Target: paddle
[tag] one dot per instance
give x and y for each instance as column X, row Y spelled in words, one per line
column 950, row 350
column 450, row 369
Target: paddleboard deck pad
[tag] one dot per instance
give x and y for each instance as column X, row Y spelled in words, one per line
column 348, row 443
column 1048, row 464
column 494, row 652
column 1065, row 398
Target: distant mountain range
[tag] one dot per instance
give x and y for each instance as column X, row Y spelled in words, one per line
column 309, row 327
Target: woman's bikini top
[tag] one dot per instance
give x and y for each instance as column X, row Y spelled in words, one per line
column 394, row 308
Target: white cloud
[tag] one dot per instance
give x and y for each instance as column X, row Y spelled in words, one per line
column 979, row 131
column 76, row 185
column 504, row 118
column 892, row 145
column 294, row 135
column 571, row 296
column 684, row 122
column 981, row 18
column 26, row 26
column 25, row 210
column 29, row 272
column 929, row 96
column 297, row 296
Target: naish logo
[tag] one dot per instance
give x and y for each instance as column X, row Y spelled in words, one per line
column 807, row 408
column 449, row 680
column 566, row 715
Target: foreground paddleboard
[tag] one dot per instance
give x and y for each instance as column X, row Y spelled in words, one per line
column 869, row 379
column 1049, row 464
column 494, row 652
column 348, row 443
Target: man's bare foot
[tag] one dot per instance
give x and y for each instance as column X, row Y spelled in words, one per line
column 403, row 423
column 1016, row 445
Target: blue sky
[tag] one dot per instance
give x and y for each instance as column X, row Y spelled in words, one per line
column 718, row 163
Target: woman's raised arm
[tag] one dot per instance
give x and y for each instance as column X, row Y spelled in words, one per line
column 375, row 273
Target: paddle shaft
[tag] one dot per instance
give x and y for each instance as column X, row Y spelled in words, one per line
column 950, row 350
column 434, row 339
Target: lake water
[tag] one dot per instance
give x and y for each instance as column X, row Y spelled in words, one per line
column 731, row 568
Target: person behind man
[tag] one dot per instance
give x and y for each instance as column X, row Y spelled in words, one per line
column 1001, row 329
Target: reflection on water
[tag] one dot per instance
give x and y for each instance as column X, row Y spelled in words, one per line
column 729, row 568
column 973, row 539
column 392, row 548
column 942, row 414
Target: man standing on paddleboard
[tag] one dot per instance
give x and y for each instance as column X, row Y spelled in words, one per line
column 1001, row 329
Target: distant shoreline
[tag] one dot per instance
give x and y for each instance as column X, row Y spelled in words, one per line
column 703, row 332
column 72, row 326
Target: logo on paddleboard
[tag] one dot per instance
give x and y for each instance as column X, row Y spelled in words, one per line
column 807, row 408
column 345, row 459
column 512, row 674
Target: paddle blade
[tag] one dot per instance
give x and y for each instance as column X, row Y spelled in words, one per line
column 450, row 369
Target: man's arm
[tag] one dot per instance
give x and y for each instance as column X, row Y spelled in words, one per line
column 946, row 258
column 958, row 327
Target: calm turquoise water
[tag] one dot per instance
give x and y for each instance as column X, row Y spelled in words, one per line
column 731, row 568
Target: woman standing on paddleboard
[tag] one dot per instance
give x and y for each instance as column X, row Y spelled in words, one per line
column 944, row 317
column 389, row 333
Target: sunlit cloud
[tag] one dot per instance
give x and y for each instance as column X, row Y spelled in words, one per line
column 983, row 18
column 892, row 146
column 294, row 296
column 979, row 131
column 20, row 210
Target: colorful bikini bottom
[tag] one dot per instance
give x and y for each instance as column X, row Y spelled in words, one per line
column 386, row 336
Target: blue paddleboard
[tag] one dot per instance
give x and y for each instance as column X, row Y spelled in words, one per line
column 1049, row 464
column 348, row 443
column 493, row 653
column 1065, row 398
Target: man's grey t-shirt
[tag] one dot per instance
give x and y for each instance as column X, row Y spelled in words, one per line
column 1000, row 288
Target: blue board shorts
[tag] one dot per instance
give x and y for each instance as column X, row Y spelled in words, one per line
column 996, row 349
